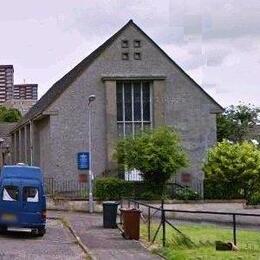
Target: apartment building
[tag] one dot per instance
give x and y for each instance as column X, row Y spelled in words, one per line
column 25, row 91
column 6, row 82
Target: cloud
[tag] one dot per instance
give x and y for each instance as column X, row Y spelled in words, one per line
column 215, row 41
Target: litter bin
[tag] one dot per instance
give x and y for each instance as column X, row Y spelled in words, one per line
column 131, row 223
column 110, row 214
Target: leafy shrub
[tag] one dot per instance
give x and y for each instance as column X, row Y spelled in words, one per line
column 9, row 115
column 233, row 166
column 157, row 154
column 149, row 195
column 111, row 188
column 222, row 190
column 254, row 198
column 187, row 194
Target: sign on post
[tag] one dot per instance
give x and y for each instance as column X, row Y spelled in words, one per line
column 83, row 161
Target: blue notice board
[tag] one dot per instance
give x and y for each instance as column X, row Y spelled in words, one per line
column 83, row 161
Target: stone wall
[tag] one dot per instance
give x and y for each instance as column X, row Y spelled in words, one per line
column 177, row 102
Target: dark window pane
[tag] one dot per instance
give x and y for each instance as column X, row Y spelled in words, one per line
column 124, row 43
column 137, row 101
column 128, row 101
column 146, row 101
column 119, row 101
column 125, row 56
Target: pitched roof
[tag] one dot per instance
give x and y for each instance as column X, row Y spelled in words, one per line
column 61, row 85
column 5, row 128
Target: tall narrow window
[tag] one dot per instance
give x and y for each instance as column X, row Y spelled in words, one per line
column 133, row 106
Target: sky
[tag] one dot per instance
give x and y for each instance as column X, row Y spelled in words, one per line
column 217, row 42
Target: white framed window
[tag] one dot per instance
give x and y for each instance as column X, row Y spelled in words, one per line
column 30, row 194
column 134, row 106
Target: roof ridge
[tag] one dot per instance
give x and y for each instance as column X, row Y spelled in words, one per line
column 59, row 86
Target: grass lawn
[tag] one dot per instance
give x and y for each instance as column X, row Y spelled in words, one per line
column 203, row 239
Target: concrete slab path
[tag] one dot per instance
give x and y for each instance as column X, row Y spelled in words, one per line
column 103, row 243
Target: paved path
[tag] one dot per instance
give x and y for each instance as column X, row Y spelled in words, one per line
column 57, row 244
column 103, row 243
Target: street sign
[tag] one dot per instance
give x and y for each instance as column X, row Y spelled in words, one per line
column 83, row 161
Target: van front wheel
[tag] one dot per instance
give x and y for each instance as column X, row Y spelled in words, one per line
column 3, row 229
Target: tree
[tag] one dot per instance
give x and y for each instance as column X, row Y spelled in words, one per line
column 234, row 124
column 157, row 154
column 9, row 115
column 234, row 164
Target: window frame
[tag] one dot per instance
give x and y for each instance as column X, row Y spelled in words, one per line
column 125, row 57
column 137, row 43
column 137, row 55
column 13, row 200
column 124, row 43
column 134, row 122
column 26, row 200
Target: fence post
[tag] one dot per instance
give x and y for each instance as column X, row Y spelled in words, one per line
column 234, row 229
column 163, row 224
column 149, row 224
column 121, row 206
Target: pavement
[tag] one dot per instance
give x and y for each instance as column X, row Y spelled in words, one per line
column 58, row 243
column 107, row 244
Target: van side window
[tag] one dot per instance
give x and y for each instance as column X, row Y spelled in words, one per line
column 30, row 194
column 10, row 193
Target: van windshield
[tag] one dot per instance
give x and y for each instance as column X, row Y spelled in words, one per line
column 30, row 194
column 10, row 193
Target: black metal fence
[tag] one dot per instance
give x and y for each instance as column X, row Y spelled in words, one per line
column 161, row 213
column 74, row 189
column 71, row 189
column 195, row 184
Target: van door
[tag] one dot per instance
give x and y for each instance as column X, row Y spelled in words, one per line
column 10, row 204
column 31, row 204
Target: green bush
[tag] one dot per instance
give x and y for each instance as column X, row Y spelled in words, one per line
column 187, row 194
column 111, row 188
column 157, row 154
column 254, row 198
column 9, row 115
column 222, row 191
column 233, row 168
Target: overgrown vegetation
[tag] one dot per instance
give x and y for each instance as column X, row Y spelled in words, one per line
column 187, row 194
column 203, row 239
column 9, row 115
column 234, row 169
column 157, row 154
column 112, row 188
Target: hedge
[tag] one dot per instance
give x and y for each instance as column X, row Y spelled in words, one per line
column 111, row 188
column 222, row 191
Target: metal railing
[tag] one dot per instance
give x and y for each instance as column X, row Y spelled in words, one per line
column 163, row 219
column 76, row 190
column 71, row 189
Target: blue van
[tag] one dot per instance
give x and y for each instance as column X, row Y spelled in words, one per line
column 22, row 199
